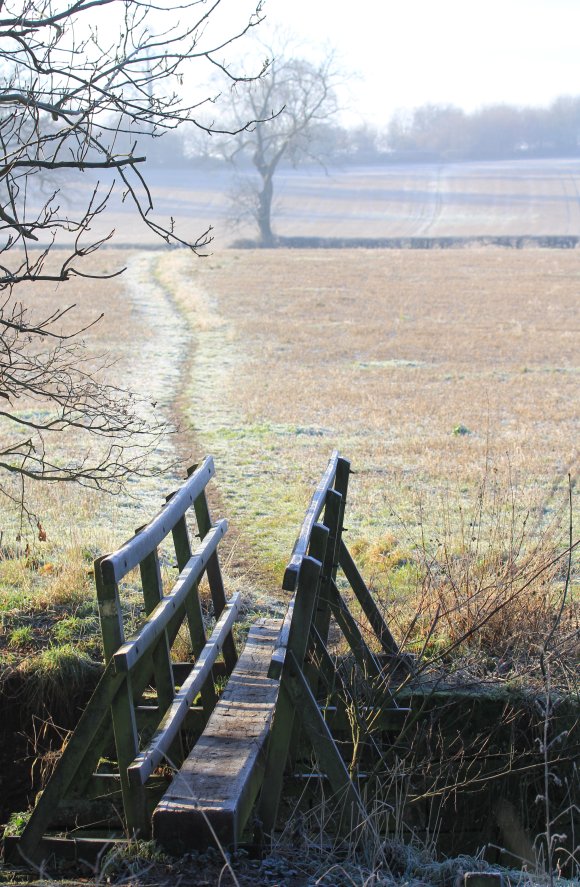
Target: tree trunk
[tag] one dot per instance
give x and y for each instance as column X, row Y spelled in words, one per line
column 264, row 214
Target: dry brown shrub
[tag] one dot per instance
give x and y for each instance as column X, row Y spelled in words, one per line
column 490, row 589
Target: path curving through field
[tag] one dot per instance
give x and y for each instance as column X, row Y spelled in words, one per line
column 152, row 354
column 186, row 361
column 155, row 370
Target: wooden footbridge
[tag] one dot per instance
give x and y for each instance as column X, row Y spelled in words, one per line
column 158, row 751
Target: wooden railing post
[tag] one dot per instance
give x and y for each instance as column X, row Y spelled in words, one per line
column 297, row 706
column 122, row 706
column 332, row 519
column 343, row 471
column 214, row 576
column 281, row 732
column 152, row 594
column 163, row 672
column 321, row 550
column 110, row 613
column 193, row 611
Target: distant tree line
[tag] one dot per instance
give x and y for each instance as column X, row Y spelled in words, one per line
column 436, row 133
column 493, row 132
column 446, row 133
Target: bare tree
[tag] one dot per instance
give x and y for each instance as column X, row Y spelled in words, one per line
column 82, row 84
column 76, row 96
column 295, row 99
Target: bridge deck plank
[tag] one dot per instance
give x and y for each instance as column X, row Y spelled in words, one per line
column 219, row 781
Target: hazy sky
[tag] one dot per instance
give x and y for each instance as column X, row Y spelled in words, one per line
column 463, row 52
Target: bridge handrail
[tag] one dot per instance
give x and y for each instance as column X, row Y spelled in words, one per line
column 115, row 566
column 132, row 650
column 301, row 659
column 313, row 512
column 140, row 668
column 151, row 756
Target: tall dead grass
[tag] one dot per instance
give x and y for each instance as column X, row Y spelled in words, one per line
column 483, row 595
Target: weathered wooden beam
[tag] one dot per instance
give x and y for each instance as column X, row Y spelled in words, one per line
column 325, row 749
column 279, row 654
column 366, row 601
column 312, row 514
column 321, row 549
column 115, row 566
column 214, row 575
column 193, row 612
column 332, row 519
column 348, row 626
column 343, row 472
column 308, row 584
column 219, row 781
column 71, row 760
column 129, row 653
column 150, row 757
column 110, row 612
column 152, row 586
column 122, row 706
column 127, row 746
column 318, row 546
column 84, row 748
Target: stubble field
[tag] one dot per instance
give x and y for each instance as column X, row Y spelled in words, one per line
column 449, row 378
column 429, row 370
column 509, row 198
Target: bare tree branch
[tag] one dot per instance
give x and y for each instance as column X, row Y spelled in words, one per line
column 112, row 163
column 76, row 97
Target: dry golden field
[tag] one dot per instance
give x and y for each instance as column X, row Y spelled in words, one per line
column 449, row 378
column 430, row 370
column 387, row 356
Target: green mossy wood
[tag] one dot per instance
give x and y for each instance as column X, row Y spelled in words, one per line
column 116, row 718
column 285, row 691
